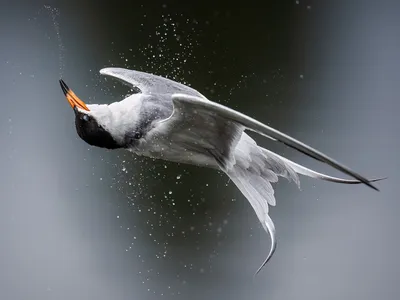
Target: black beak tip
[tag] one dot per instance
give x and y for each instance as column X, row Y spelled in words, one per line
column 64, row 87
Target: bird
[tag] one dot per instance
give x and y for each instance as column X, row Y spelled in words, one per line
column 167, row 120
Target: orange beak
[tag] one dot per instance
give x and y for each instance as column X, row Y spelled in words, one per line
column 73, row 99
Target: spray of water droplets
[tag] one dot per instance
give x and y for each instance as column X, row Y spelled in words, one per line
column 54, row 13
column 169, row 48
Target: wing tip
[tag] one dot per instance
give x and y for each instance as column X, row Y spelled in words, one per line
column 376, row 180
column 112, row 71
column 107, row 70
column 368, row 183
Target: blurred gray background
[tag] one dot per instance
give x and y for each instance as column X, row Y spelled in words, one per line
column 78, row 222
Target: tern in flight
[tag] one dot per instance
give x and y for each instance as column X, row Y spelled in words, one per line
column 167, row 120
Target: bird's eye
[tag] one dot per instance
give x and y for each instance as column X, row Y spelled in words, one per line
column 137, row 135
column 85, row 118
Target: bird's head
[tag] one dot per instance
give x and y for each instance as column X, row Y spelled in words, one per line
column 92, row 122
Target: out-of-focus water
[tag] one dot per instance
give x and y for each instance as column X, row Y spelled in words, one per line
column 85, row 223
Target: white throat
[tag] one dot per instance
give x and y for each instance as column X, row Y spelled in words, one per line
column 118, row 117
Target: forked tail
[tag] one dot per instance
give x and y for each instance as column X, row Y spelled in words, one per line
column 313, row 174
column 254, row 171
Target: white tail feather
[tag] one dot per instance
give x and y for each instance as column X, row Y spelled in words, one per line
column 313, row 174
column 254, row 170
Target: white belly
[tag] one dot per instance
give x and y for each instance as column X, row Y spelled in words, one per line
column 175, row 152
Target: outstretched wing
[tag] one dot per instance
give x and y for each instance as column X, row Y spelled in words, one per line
column 183, row 103
column 148, row 83
column 203, row 124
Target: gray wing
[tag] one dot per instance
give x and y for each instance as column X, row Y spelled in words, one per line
column 148, row 83
column 183, row 103
column 217, row 130
column 207, row 124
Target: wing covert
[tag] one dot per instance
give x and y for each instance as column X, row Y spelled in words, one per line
column 149, row 83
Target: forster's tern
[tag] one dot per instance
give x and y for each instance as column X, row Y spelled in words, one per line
column 170, row 121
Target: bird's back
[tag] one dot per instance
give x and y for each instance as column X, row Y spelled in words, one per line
column 155, row 108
